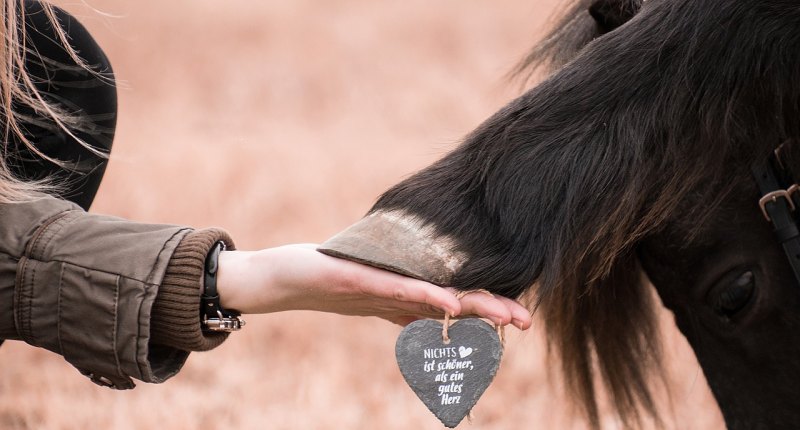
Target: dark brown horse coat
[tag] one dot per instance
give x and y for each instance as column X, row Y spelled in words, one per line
column 633, row 158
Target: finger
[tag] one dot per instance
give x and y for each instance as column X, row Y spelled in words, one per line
column 424, row 293
column 420, row 310
column 403, row 289
column 486, row 306
column 520, row 315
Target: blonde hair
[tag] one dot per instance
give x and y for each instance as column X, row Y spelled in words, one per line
column 17, row 88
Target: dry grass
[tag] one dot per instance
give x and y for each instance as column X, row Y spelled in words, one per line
column 282, row 121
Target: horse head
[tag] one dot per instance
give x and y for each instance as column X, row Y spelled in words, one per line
column 632, row 160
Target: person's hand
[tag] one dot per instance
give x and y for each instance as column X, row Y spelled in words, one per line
column 297, row 277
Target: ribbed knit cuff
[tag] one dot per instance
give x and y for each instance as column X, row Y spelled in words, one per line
column 175, row 316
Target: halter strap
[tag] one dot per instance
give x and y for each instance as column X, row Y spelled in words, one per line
column 779, row 206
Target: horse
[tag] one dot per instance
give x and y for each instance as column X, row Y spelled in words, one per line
column 632, row 162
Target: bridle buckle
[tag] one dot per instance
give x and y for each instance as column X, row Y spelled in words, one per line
column 773, row 198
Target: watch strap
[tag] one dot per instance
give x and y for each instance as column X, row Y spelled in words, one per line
column 212, row 315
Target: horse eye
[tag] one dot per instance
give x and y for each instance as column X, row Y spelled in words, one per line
column 729, row 297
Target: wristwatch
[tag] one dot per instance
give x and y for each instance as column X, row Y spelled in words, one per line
column 213, row 316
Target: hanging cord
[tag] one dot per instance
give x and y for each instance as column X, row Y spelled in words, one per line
column 446, row 325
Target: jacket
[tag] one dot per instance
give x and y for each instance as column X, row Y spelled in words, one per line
column 117, row 299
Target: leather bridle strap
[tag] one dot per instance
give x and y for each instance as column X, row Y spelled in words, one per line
column 777, row 203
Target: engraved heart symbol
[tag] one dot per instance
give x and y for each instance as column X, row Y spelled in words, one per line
column 449, row 378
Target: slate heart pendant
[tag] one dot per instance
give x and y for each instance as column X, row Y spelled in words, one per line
column 449, row 378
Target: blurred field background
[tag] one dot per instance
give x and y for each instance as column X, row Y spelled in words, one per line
column 282, row 121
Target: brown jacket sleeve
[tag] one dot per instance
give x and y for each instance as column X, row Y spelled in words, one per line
column 117, row 299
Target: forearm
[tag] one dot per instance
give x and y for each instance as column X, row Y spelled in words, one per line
column 285, row 278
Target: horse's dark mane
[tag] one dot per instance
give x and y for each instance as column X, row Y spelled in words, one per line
column 556, row 190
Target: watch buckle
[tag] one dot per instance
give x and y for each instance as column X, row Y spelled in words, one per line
column 223, row 323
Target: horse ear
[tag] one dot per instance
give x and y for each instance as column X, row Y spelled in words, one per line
column 574, row 30
column 611, row 14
